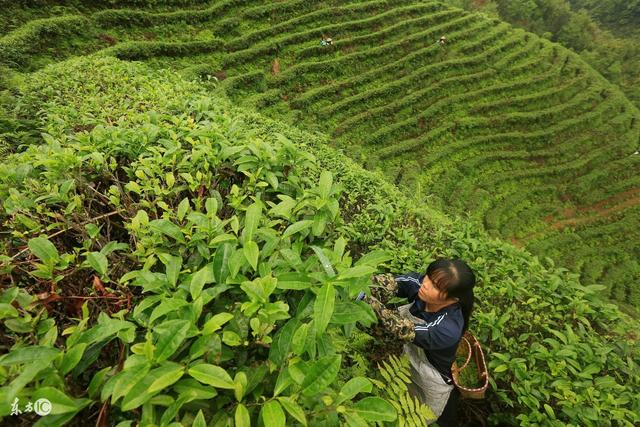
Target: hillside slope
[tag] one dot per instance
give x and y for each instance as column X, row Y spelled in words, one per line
column 516, row 132
column 559, row 355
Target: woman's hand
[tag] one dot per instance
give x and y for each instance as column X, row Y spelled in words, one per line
column 394, row 324
column 384, row 287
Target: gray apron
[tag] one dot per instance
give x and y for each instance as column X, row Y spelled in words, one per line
column 427, row 383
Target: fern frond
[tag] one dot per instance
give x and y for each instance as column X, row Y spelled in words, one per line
column 396, row 373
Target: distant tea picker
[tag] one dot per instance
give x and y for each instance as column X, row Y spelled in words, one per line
column 326, row 41
column 432, row 326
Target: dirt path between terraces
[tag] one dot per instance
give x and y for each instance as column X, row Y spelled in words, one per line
column 594, row 212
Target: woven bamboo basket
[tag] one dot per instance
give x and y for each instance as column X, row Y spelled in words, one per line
column 470, row 347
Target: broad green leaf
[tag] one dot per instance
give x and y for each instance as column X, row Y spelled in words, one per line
column 204, row 343
column 374, row 409
column 7, row 310
column 320, row 375
column 231, row 339
column 170, row 373
column 299, row 339
column 283, row 381
column 353, row 387
column 260, row 289
column 272, row 414
column 236, row 261
column 326, row 181
column 240, row 382
column 326, row 264
column 293, row 280
column 251, row 220
column 293, row 409
column 173, row 265
column 44, row 250
column 183, row 207
column 212, row 375
column 282, row 341
column 173, row 409
column 374, row 258
column 170, row 335
column 199, row 420
column 60, row 403
column 211, row 205
column 251, row 253
column 168, row 228
column 319, row 223
column 350, row 312
column 222, row 238
column 354, row 420
column 198, row 280
column 297, row 227
column 72, row 357
column 29, row 354
column 323, row 307
column 216, row 323
column 102, row 331
column 120, row 384
column 284, row 208
column 192, row 388
column 98, row 262
column 166, row 306
column 272, row 179
column 27, row 374
column 355, row 272
column 339, row 246
column 221, row 263
column 242, row 418
column 97, row 382
column 140, row 393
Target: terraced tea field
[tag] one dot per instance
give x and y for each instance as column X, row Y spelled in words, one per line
column 497, row 124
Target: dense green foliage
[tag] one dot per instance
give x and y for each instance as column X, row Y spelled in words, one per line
column 196, row 264
column 168, row 257
column 604, row 32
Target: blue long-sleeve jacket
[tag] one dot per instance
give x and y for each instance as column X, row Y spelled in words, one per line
column 440, row 335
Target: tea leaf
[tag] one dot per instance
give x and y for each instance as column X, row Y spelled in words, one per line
column 60, row 403
column 199, row 420
column 320, row 374
column 216, row 323
column 98, row 262
column 168, row 228
column 323, row 307
column 198, row 280
column 44, row 250
column 252, row 219
column 272, row 414
column 293, row 409
column 251, row 253
column 241, row 417
column 375, row 409
column 212, row 375
column 353, row 387
column 326, row 181
column 173, row 266
column 170, row 335
column 297, row 227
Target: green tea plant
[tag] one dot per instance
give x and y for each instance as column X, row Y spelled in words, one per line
column 221, row 245
column 195, row 256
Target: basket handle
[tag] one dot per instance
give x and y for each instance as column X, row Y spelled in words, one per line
column 468, row 354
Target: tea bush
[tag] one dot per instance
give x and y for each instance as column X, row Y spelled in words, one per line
column 196, row 261
column 225, row 253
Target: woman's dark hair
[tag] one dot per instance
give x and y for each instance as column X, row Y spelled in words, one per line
column 455, row 279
